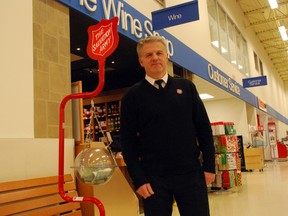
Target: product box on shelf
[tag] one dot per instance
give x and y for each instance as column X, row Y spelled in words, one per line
column 230, row 179
column 238, row 178
column 229, row 128
column 231, row 161
column 227, row 161
column 218, row 128
column 221, row 161
column 226, row 180
column 223, row 128
column 226, row 143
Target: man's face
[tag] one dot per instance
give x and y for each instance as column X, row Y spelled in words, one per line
column 153, row 57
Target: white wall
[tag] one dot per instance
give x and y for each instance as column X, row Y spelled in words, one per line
column 32, row 158
column 281, row 130
column 229, row 110
column 16, row 83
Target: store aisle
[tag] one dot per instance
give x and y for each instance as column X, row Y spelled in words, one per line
column 262, row 194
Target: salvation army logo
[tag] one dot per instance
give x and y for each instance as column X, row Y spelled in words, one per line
column 103, row 39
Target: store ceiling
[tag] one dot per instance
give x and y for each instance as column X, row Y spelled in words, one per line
column 265, row 22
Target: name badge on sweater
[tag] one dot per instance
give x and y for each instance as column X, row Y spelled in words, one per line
column 179, row 91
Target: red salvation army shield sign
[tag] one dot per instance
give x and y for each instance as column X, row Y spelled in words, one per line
column 103, row 39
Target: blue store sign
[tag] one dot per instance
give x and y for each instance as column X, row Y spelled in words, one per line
column 255, row 81
column 175, row 15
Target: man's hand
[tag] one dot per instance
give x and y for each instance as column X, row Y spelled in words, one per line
column 145, row 190
column 209, row 177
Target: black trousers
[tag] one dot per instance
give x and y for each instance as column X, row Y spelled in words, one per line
column 189, row 191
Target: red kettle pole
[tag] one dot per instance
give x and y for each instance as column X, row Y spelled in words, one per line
column 61, row 141
column 103, row 40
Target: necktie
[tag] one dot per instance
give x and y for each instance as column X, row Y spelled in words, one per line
column 159, row 83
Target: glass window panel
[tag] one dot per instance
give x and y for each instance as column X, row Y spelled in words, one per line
column 239, row 49
column 246, row 69
column 243, row 54
column 223, row 32
column 256, row 62
column 232, row 42
column 226, row 38
column 261, row 67
column 213, row 24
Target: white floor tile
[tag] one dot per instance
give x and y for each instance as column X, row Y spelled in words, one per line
column 262, row 194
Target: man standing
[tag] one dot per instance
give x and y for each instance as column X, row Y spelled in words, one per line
column 164, row 127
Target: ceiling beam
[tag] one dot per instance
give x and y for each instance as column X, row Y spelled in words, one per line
column 273, row 39
column 282, row 68
column 276, row 52
column 259, row 9
column 281, row 63
column 266, row 21
column 286, row 76
column 270, row 30
column 279, row 57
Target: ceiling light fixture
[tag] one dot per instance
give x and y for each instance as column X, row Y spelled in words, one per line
column 205, row 96
column 283, row 33
column 273, row 4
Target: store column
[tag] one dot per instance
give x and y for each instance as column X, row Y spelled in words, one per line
column 52, row 82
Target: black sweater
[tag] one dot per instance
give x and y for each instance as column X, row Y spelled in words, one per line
column 163, row 132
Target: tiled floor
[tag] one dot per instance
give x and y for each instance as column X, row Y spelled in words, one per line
column 262, row 194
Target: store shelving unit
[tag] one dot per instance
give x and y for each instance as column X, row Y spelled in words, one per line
column 228, row 161
column 102, row 114
column 101, row 118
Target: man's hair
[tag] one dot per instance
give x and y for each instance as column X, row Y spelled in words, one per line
column 150, row 39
